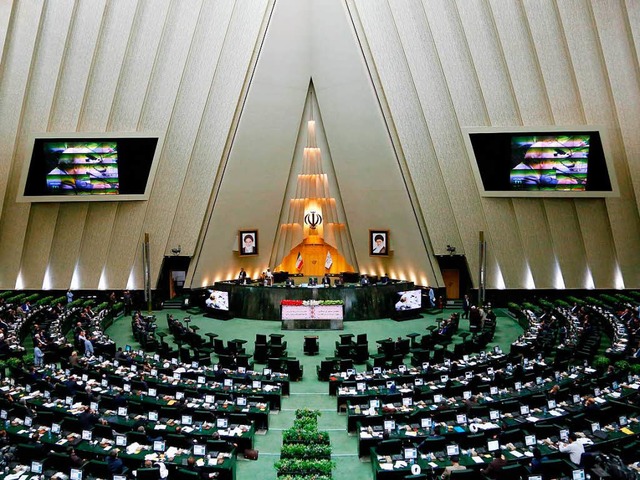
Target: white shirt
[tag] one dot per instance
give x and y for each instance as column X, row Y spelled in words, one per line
column 575, row 451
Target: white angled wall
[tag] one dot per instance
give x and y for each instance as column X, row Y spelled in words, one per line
column 396, row 83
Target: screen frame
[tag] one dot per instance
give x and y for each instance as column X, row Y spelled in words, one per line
column 107, row 136
column 608, row 159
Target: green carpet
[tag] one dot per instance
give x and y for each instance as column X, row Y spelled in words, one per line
column 309, row 392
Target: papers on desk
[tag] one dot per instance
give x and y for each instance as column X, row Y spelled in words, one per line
column 477, row 459
column 555, row 413
column 135, row 447
column 159, row 426
column 533, row 419
column 615, row 394
column 400, row 464
column 600, row 400
column 411, row 433
column 516, row 453
column 187, row 429
column 627, row 431
column 386, row 466
column 171, row 452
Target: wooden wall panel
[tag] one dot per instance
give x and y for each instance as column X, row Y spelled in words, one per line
column 65, row 245
column 191, row 99
column 94, row 247
column 212, row 136
column 621, row 62
column 37, row 245
column 21, row 70
column 409, row 120
column 596, row 233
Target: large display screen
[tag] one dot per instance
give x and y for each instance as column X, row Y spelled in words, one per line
column 218, row 300
column 540, row 163
column 74, row 168
column 409, row 300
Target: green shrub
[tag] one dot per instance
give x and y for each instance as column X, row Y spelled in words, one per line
column 291, row 466
column 575, row 300
column 293, row 435
column 601, row 362
column 6, row 294
column 546, row 304
column 562, row 304
column 304, row 451
column 634, row 369
column 622, row 365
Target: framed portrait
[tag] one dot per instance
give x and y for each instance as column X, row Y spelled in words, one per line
column 248, row 242
column 379, row 242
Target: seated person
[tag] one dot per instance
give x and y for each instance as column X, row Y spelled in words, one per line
column 289, row 282
column 339, row 282
column 384, row 279
column 114, row 464
column 326, row 281
column 364, row 280
column 495, row 466
column 313, row 281
column 242, row 276
column 455, row 465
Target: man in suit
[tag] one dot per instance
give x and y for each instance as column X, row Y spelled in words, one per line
column 242, row 276
column 326, row 281
column 466, row 306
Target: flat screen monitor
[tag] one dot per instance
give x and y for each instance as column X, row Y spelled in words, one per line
column 444, row 378
column 596, row 392
column 87, row 167
column 524, row 409
column 461, row 418
column 152, row 416
column 128, row 348
column 218, row 300
column 126, row 387
column 36, row 467
column 75, row 474
column 468, row 375
column 402, row 368
column 93, row 406
column 578, row 475
column 228, row 382
column 407, row 401
column 158, row 446
column 87, row 435
column 466, row 395
column 545, row 162
column 623, row 421
column 119, row 477
column 551, row 404
column 389, row 424
column 410, row 453
column 361, row 386
column 595, row 426
column 221, row 422
column 493, row 390
column 564, row 435
column 418, row 382
column 518, row 385
column 152, row 392
column 534, row 477
column 179, row 395
column 241, row 401
column 199, row 450
column 529, row 440
column 28, row 421
column 122, row 411
column 493, row 445
column 494, row 414
column 377, row 370
column 409, row 300
column 55, row 428
column 426, row 422
column 576, row 398
column 374, row 403
column 186, row 420
column 425, row 366
column 437, row 398
column 266, row 371
column 351, row 371
column 121, row 440
column 209, row 399
column 453, row 450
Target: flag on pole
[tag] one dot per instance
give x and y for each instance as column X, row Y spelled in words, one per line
column 299, row 261
column 329, row 261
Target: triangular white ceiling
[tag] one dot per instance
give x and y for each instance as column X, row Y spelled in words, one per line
column 316, row 40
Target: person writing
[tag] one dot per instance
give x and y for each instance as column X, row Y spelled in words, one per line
column 573, row 448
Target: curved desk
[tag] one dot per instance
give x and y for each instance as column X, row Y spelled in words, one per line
column 360, row 303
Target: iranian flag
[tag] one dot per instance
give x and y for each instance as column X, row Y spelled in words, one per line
column 299, row 261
